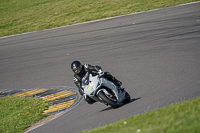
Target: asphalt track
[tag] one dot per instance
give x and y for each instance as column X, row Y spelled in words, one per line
column 156, row 54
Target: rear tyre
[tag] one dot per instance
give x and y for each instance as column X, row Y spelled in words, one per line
column 108, row 101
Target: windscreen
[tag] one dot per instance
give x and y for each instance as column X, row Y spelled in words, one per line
column 85, row 80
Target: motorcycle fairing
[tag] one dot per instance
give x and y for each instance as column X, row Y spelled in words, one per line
column 93, row 85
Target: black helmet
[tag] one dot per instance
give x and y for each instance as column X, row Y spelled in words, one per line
column 76, row 67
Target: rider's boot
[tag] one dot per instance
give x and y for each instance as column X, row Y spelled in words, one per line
column 118, row 84
column 88, row 99
column 114, row 80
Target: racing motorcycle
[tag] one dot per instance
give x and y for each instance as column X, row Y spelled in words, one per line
column 102, row 90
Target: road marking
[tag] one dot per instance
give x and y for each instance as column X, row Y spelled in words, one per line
column 60, row 98
column 59, row 106
column 29, row 92
column 58, row 95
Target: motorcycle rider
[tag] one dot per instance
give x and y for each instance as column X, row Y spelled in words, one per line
column 81, row 70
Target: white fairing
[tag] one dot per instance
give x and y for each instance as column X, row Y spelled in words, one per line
column 93, row 84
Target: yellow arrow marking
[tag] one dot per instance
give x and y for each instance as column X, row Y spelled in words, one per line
column 58, row 95
column 59, row 106
column 51, row 97
column 29, row 92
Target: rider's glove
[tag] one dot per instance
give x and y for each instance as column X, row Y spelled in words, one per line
column 100, row 72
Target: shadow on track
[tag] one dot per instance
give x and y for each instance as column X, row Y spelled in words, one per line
column 110, row 108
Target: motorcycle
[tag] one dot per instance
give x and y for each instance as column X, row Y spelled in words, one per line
column 102, row 90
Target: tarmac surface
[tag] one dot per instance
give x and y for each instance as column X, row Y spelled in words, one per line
column 156, row 54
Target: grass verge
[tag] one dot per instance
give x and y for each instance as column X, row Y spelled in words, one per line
column 16, row 114
column 20, row 16
column 181, row 117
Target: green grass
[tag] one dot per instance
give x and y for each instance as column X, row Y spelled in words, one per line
column 181, row 117
column 20, row 16
column 16, row 114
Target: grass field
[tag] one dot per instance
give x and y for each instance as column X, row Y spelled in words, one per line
column 181, row 117
column 16, row 114
column 20, row 16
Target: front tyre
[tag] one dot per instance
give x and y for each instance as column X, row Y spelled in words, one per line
column 107, row 100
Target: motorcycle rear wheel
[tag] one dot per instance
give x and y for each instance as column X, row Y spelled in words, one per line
column 108, row 100
column 128, row 98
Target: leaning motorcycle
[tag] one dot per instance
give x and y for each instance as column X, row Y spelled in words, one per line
column 102, row 90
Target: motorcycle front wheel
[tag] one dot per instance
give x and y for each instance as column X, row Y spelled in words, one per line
column 107, row 100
